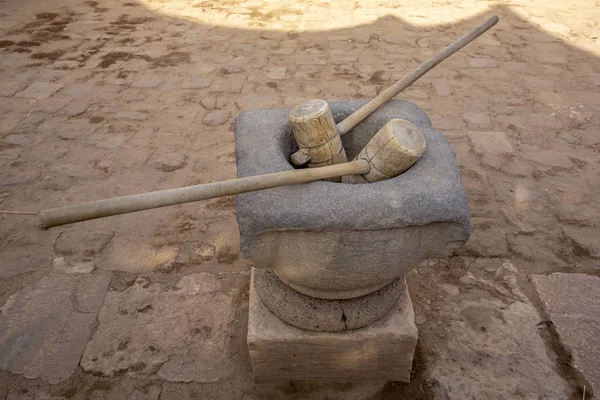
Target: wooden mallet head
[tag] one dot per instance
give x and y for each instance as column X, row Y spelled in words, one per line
column 317, row 136
column 393, row 150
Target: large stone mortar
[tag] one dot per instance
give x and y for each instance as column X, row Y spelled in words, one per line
column 339, row 241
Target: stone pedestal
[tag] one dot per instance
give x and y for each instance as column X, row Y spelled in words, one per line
column 382, row 351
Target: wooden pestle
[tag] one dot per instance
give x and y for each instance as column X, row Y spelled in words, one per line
column 380, row 160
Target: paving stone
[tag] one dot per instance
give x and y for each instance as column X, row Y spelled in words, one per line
column 132, row 115
column 276, row 72
column 48, row 323
column 477, row 119
column 10, row 153
column 253, row 101
column 442, row 88
column 483, row 62
column 572, row 301
column 550, row 159
column 7, row 89
column 488, row 239
column 217, row 117
column 516, row 366
column 196, row 82
column 586, row 240
column 168, row 160
column 230, row 84
column 201, row 68
column 40, row 90
column 483, row 343
column 181, row 333
column 147, row 82
column 490, row 142
column 209, row 102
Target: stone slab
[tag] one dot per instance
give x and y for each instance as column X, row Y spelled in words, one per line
column 178, row 334
column 280, row 352
column 490, row 142
column 482, row 338
column 572, row 302
column 45, row 327
column 40, row 90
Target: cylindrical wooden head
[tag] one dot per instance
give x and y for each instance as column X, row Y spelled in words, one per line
column 393, row 150
column 316, row 134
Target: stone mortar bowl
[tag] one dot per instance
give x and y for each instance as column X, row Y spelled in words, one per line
column 339, row 241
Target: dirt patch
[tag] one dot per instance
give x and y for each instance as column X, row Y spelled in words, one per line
column 51, row 55
column 96, row 120
column 172, row 59
column 168, row 60
column 128, row 22
column 26, row 43
column 6, row 43
column 46, row 16
column 111, row 58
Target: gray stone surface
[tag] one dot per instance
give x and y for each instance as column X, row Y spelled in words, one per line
column 382, row 351
column 484, row 341
column 353, row 239
column 179, row 334
column 572, row 301
column 46, row 325
column 324, row 315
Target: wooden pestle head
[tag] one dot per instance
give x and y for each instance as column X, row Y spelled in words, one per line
column 393, row 150
column 317, row 136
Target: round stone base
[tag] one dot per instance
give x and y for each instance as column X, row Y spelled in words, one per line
column 324, row 315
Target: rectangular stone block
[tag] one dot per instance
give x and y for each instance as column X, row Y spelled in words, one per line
column 382, row 351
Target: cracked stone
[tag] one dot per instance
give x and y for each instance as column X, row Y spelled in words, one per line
column 482, row 343
column 490, row 142
column 181, row 334
column 483, row 63
column 44, row 330
column 258, row 101
column 217, row 117
column 147, row 82
column 585, row 240
column 477, row 119
column 442, row 88
column 40, row 90
column 169, row 161
column 82, row 243
column 8, row 89
column 276, row 72
column 572, row 301
column 196, row 82
column 209, row 102
column 487, row 239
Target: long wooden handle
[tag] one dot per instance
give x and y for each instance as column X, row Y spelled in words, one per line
column 409, row 79
column 145, row 201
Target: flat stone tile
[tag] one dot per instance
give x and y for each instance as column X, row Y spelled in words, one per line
column 572, row 301
column 46, row 325
column 181, row 334
column 40, row 90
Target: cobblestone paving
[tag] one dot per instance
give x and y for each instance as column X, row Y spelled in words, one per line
column 103, row 98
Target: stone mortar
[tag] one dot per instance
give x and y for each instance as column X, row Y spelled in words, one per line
column 335, row 240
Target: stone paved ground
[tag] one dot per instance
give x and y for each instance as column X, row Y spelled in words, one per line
column 103, row 98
